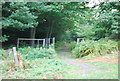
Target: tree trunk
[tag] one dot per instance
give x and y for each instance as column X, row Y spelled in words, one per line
column 32, row 36
column 51, row 29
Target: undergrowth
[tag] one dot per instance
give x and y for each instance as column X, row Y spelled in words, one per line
column 72, row 45
column 36, row 65
column 34, row 53
column 95, row 48
column 40, row 69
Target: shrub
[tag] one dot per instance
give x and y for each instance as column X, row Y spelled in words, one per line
column 60, row 43
column 33, row 53
column 96, row 48
column 72, row 45
column 28, row 53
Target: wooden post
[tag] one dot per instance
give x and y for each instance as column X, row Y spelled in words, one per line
column 43, row 42
column 49, row 43
column 46, row 42
column 17, row 42
column 78, row 40
column 15, row 56
column 53, row 42
column 38, row 42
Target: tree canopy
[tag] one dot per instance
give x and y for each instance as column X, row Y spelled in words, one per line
column 63, row 20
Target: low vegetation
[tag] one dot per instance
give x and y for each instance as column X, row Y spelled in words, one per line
column 96, row 22
column 34, row 53
column 95, row 48
column 42, row 63
column 39, row 68
column 72, row 45
column 38, row 63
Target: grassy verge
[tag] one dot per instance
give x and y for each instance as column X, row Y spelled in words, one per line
column 112, row 72
column 41, row 69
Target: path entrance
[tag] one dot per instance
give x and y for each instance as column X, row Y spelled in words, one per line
column 84, row 69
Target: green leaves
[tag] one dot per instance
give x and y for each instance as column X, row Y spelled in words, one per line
column 55, row 18
column 84, row 31
column 34, row 53
column 108, row 20
column 21, row 17
column 95, row 48
column 101, row 22
column 3, row 38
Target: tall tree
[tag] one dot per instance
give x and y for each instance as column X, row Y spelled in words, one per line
column 18, row 15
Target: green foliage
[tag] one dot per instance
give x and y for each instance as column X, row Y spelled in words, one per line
column 60, row 43
column 84, row 31
column 47, row 17
column 95, row 48
column 2, row 52
column 6, row 54
column 84, row 23
column 72, row 45
column 8, row 63
column 98, row 22
column 34, row 53
column 63, row 20
column 3, row 38
column 40, row 69
column 20, row 16
column 107, row 22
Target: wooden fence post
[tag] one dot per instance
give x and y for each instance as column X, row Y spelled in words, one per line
column 38, row 43
column 15, row 56
column 78, row 40
column 53, row 42
column 17, row 42
column 43, row 42
column 49, row 43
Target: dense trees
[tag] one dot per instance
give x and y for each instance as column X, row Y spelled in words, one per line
column 63, row 20
column 109, row 18
column 47, row 16
column 101, row 21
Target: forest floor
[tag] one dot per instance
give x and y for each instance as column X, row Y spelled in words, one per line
column 103, row 67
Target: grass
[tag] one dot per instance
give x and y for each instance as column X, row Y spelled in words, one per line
column 41, row 69
column 47, row 69
column 110, row 66
column 112, row 72
column 102, row 75
column 56, row 68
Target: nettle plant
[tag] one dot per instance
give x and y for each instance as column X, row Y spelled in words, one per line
column 95, row 48
column 34, row 53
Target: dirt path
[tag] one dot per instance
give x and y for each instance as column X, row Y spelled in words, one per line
column 85, row 69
